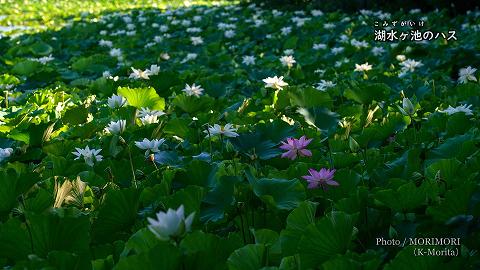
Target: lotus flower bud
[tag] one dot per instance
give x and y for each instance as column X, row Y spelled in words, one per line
column 408, row 106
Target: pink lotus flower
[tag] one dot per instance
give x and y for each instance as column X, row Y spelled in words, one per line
column 296, row 147
column 322, row 178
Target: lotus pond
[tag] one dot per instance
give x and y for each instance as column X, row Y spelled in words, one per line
column 218, row 135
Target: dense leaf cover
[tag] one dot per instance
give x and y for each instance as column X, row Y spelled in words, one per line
column 237, row 137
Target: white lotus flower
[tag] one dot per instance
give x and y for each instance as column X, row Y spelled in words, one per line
column 320, row 72
column 188, row 57
column 328, row 26
column 149, row 44
column 193, row 30
column 300, row 21
column 401, row 57
column 228, row 130
column 127, row 19
column 171, row 223
column 409, row 65
column 286, row 30
column 5, row 153
column 196, row 40
column 258, row 22
column 276, row 13
column 466, row 74
column 105, row 43
column 139, row 74
column 225, row 26
column 319, row 46
column 153, row 70
column 60, row 106
column 116, row 127
column 363, row 67
column 366, row 12
column 193, row 90
column 158, row 39
column 106, row 74
column 115, row 52
column 163, row 28
column 150, row 146
column 463, row 108
column 342, row 61
column 146, row 111
column 287, row 60
column 164, row 56
column 377, row 51
column 43, row 60
column 89, row 155
column 337, row 50
column 131, row 33
column 275, row 82
column 359, row 44
column 346, row 39
column 186, row 23
column 116, row 101
column 149, row 119
column 316, row 13
column 324, row 85
column 248, row 60
column 7, row 86
column 229, row 33
column 415, row 11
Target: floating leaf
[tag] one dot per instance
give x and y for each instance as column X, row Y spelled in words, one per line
column 310, row 97
column 41, row 48
column 456, row 203
column 191, row 104
column 219, row 199
column 321, row 118
column 13, row 184
column 208, row 251
column 116, row 216
column 61, row 229
column 142, row 98
column 279, row 193
column 403, row 260
column 407, row 197
column 331, row 235
column 140, row 242
column 76, row 115
column 297, row 222
column 14, row 240
column 162, row 256
column 448, row 170
column 26, row 67
column 249, row 257
column 365, row 93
